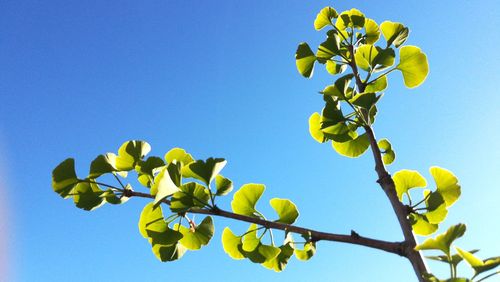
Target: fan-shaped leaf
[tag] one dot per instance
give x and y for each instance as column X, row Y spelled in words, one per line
column 64, row 178
column 204, row 170
column 395, row 33
column 353, row 148
column 87, row 196
column 421, row 225
column 223, row 185
column 164, row 185
column 287, row 211
column 406, row 179
column 178, row 155
column 190, row 195
column 378, row 85
column 245, row 198
column 372, row 31
column 443, row 241
column 315, row 128
column 250, row 239
column 447, row 184
column 478, row 265
column 130, row 153
column 413, row 65
column 194, row 239
column 325, row 17
column 232, row 244
column 304, row 59
column 102, row 164
column 352, row 18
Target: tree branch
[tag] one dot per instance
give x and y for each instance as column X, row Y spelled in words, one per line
column 353, row 238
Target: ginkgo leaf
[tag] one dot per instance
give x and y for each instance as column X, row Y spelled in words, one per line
column 446, row 184
column 223, row 185
column 164, row 185
column 245, row 198
column 287, row 211
column 406, row 179
column 315, row 128
column 232, row 244
column 413, row 65
column 87, row 196
column 204, row 170
column 179, row 155
column 477, row 264
column 443, row 241
column 353, row 148
column 130, row 153
column 372, row 31
column 304, row 60
column 102, row 164
column 351, row 18
column 64, row 178
column 250, row 239
column 325, row 17
column 195, row 238
column 394, row 33
column 421, row 225
column 378, row 85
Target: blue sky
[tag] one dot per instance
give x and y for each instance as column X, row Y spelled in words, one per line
column 218, row 78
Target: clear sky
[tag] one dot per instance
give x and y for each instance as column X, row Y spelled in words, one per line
column 218, row 78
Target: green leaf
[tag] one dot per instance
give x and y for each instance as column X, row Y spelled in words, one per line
column 443, row 241
column 102, row 164
column 394, row 33
column 200, row 236
column 325, row 17
column 88, row 196
column 232, row 244
column 190, row 195
column 365, row 56
column 334, row 68
column 352, row 18
column 204, row 170
column 378, row 85
column 304, row 59
column 113, row 199
column 478, row 265
column 436, row 207
column 384, row 59
column 152, row 218
column 372, row 31
column 179, row 155
column 384, row 145
column 389, row 157
column 365, row 100
column 64, row 178
column 262, row 254
column 455, row 259
column 164, row 186
column 329, row 48
column 315, row 128
column 130, row 153
column 306, row 253
column 279, row 263
column 169, row 252
column 244, row 200
column 339, row 88
column 406, row 179
column 149, row 166
column 250, row 239
column 421, row 225
column 413, row 65
column 447, row 184
column 287, row 211
column 353, row 148
column 388, row 154
column 223, row 185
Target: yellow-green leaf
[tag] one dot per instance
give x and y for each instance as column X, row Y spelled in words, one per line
column 447, row 184
column 351, row 18
column 204, row 170
column 164, row 185
column 372, row 31
column 223, row 185
column 315, row 128
column 325, row 17
column 353, row 148
column 406, row 179
column 421, row 225
column 413, row 65
column 250, row 239
column 443, row 241
column 245, row 198
column 194, row 239
column 287, row 211
column 304, row 59
column 378, row 85
column 232, row 244
column 64, row 178
column 394, row 32
column 130, row 153
column 87, row 196
column 179, row 155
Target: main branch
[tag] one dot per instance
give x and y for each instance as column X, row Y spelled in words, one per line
column 353, row 238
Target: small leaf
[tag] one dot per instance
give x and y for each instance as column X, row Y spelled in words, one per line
column 304, row 59
column 329, row 48
column 250, row 239
column 413, row 65
column 204, row 170
column 279, row 263
column 287, row 211
column 447, row 184
column 244, row 200
column 102, row 164
column 178, row 155
column 352, row 18
column 421, row 225
column 388, row 154
column 334, row 68
column 377, row 85
column 64, row 178
column 307, row 253
column 325, row 17
column 455, row 259
column 443, row 241
column 190, row 195
column 164, row 186
column 394, row 33
column 478, row 265
column 130, row 153
column 223, row 185
column 353, row 148
column 88, row 196
column 384, row 145
column 406, row 179
column 372, row 31
column 232, row 244
column 389, row 157
column 200, row 236
column 315, row 128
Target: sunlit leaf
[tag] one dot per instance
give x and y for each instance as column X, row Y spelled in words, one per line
column 262, row 254
column 102, row 164
column 388, row 154
column 394, row 33
column 477, row 264
column 353, row 148
column 436, row 207
column 245, row 198
column 455, row 259
column 304, row 59
column 447, row 184
column 152, row 218
column 286, row 210
column 223, row 185
column 372, row 31
column 406, row 179
column 194, row 239
column 325, row 17
column 169, row 252
column 232, row 244
column 250, row 239
column 377, row 85
column 329, row 48
column 178, row 155
column 352, row 18
column 64, row 178
column 87, row 196
column 315, row 128
column 130, row 153
column 413, row 65
column 365, row 100
column 334, row 68
column 204, row 170
column 279, row 263
column 164, row 185
column 339, row 88
column 421, row 225
column 190, row 195
column 443, row 241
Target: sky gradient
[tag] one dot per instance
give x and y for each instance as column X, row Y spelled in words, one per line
column 218, row 78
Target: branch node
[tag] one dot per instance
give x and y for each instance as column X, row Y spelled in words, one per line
column 354, row 235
